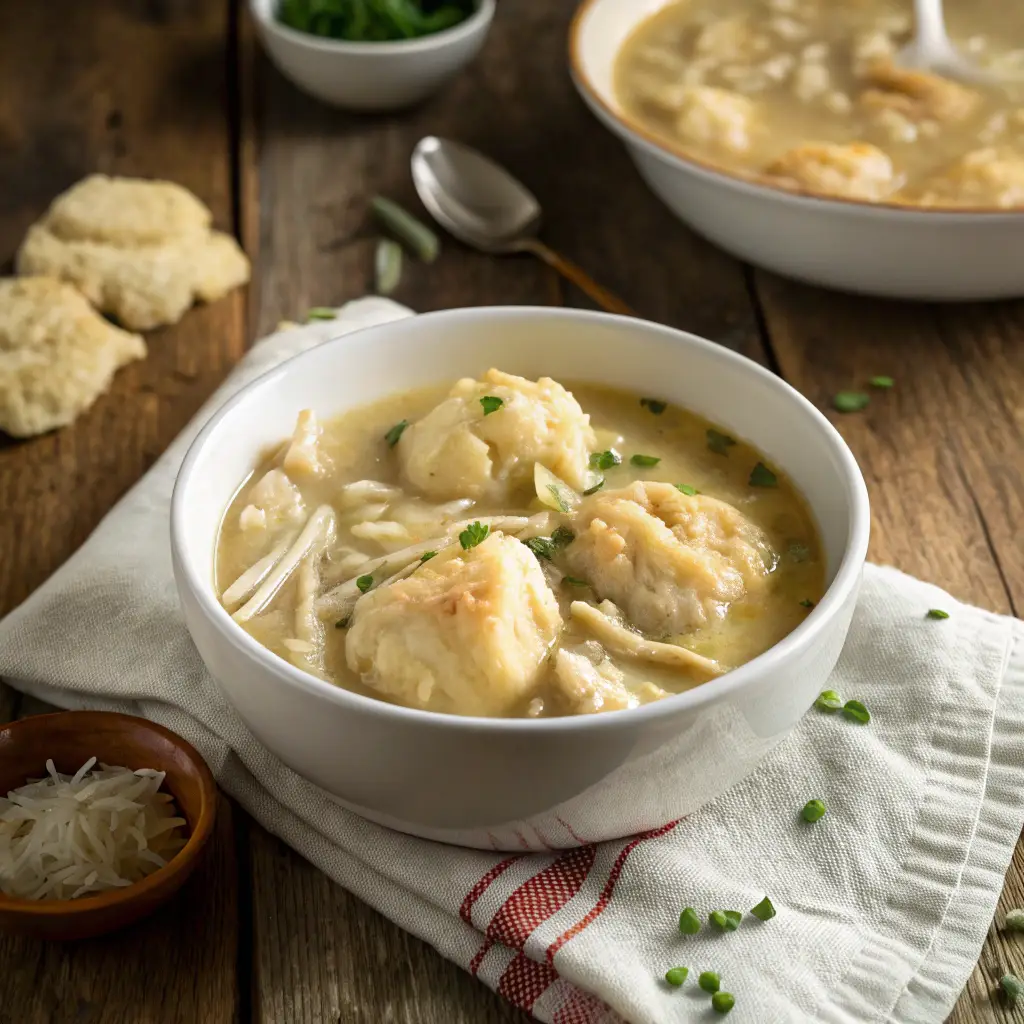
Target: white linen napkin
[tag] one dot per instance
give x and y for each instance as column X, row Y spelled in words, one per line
column 883, row 905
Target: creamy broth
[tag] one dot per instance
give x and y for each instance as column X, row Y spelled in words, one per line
column 804, row 93
column 307, row 624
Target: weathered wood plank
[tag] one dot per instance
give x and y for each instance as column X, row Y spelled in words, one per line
column 132, row 88
column 941, row 454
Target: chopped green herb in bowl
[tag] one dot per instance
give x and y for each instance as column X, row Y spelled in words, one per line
column 373, row 21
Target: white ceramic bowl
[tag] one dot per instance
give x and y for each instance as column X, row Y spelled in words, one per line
column 510, row 783
column 371, row 76
column 873, row 248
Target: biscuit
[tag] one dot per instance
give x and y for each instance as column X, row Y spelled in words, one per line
column 57, row 354
column 141, row 251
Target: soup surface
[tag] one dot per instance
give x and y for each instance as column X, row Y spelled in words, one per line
column 493, row 549
column 805, row 93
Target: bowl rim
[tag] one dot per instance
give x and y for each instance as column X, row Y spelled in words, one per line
column 263, row 12
column 844, row 583
column 183, row 860
column 629, row 128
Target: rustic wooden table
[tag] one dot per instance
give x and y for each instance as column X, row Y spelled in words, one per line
column 178, row 89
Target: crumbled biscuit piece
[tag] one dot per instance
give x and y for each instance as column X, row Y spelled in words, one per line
column 855, row 170
column 57, row 354
column 918, row 95
column 983, row 178
column 141, row 251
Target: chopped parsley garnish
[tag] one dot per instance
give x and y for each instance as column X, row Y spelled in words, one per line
column 575, row 581
column 472, row 535
column 882, row 382
column 723, row 1002
column 321, row 313
column 687, row 490
column 395, row 433
column 491, row 403
column 591, row 490
column 709, row 981
column 936, row 613
column 541, row 547
column 762, row 476
column 725, row 920
column 644, row 460
column 813, row 810
column 654, row 405
column 850, row 401
column 764, row 911
column 605, row 460
column 1013, row 988
column 675, row 976
column 718, row 442
column 556, row 492
column 341, row 624
column 829, row 700
column 562, row 537
column 689, row 922
column 855, row 710
column 427, row 556
column 806, row 603
column 364, row 583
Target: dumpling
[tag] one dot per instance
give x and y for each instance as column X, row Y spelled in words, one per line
column 588, row 688
column 984, row 177
column 672, row 562
column 918, row 95
column 467, row 633
column 469, row 447
column 855, row 170
column 716, row 117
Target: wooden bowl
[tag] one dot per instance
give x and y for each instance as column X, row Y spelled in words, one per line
column 70, row 738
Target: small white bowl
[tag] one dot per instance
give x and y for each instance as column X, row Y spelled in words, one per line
column 371, row 76
column 872, row 248
column 515, row 783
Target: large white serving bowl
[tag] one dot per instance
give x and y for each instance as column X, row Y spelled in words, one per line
column 515, row 783
column 371, row 76
column 873, row 248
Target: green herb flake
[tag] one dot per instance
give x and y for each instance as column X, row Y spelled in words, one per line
column 689, row 922
column 718, row 442
column 675, row 976
column 475, row 533
column 413, row 233
column 806, row 603
column 850, row 401
column 687, row 490
column 722, row 1002
column 387, row 266
column 491, row 403
column 590, row 490
column 1013, row 988
column 364, row 583
column 710, row 981
column 575, row 581
column 764, row 911
column 882, row 383
column 427, row 556
column 644, row 460
column 322, row 313
column 813, row 810
column 725, row 920
column 855, row 710
column 541, row 547
column 653, row 405
column 555, row 491
column 1014, row 921
column 562, row 537
column 605, row 459
column 342, row 624
column 829, row 701
column 762, row 476
column 395, row 433
column 372, row 22
column 936, row 613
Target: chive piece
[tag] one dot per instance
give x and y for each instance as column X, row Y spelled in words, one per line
column 722, row 1002
column 341, row 624
column 406, row 228
column 689, row 922
column 491, row 403
column 709, row 981
column 883, row 383
column 427, row 556
column 855, row 710
column 764, row 911
column 675, row 976
column 813, row 810
column 653, row 405
column 575, row 581
column 541, row 547
column 1012, row 987
column 762, row 476
column 850, row 401
column 593, row 490
column 1014, row 921
column 387, row 266
column 364, row 583
column 644, row 460
column 936, row 613
column 687, row 490
column 605, row 459
column 829, row 700
column 321, row 313
column 472, row 535
column 562, row 537
column 806, row 603
column 395, row 433
column 718, row 442
column 725, row 920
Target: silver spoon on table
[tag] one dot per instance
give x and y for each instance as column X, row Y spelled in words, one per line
column 481, row 204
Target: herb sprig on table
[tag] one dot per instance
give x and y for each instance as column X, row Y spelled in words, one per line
column 373, row 21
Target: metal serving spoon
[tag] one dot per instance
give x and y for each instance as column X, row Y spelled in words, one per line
column 481, row 204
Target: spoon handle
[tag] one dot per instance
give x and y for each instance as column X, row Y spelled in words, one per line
column 579, row 277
